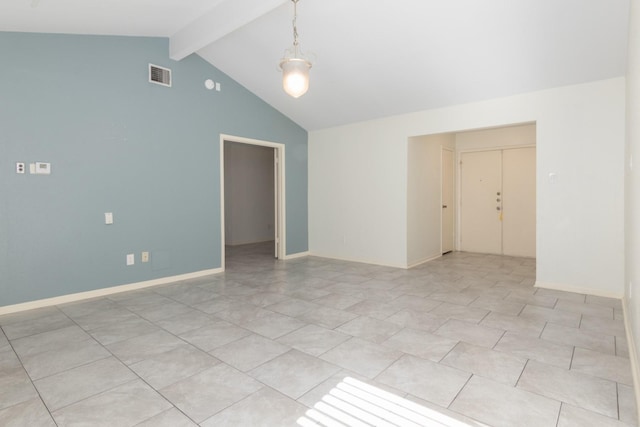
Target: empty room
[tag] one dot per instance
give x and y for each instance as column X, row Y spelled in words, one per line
column 320, row 213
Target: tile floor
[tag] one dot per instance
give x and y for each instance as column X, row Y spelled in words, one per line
column 465, row 340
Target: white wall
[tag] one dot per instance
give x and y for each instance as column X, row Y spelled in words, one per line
column 424, row 184
column 632, row 219
column 510, row 136
column 358, row 181
column 248, row 193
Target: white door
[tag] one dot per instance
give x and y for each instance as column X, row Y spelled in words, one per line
column 498, row 202
column 480, row 205
column 519, row 202
column 447, row 200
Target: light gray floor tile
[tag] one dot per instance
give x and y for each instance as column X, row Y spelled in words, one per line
column 536, row 349
column 520, row 325
column 28, row 315
column 263, row 299
column 32, row 326
column 104, row 318
column 571, row 387
column 337, row 301
column 125, row 405
column 538, row 300
column 468, row 332
column 317, row 393
column 571, row 416
column 604, row 301
column 376, row 309
column 30, row 413
column 585, row 309
column 415, row 303
column 208, row 392
column 417, row 320
column 460, row 312
column 627, row 411
column 369, row 329
column 455, row 298
column 188, row 321
column 313, row 340
column 216, row 305
column 85, row 307
column 498, row 305
column 572, row 336
column 362, row 356
column 602, row 326
column 327, row 317
column 602, row 365
column 421, row 343
column 294, row 373
column 144, row 346
column 161, row 370
column 165, row 310
column 169, row 418
column 214, row 335
column 120, row 331
column 569, row 296
column 15, row 388
column 71, row 356
column 499, row 367
column 264, row 408
column 425, row 379
column 70, row 386
column 249, row 352
column 273, row 325
column 500, row 405
column 552, row 315
column 49, row 341
column 622, row 347
column 292, row 307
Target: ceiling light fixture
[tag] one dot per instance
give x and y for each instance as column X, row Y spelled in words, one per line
column 295, row 65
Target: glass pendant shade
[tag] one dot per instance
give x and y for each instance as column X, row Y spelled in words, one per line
column 295, row 76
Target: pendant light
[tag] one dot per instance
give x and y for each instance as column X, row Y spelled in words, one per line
column 295, row 65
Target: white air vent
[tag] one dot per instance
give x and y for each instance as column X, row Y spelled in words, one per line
column 159, row 75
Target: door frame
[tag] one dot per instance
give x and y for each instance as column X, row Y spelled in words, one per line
column 453, row 196
column 279, row 192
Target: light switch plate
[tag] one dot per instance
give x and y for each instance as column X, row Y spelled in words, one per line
column 131, row 259
column 108, row 218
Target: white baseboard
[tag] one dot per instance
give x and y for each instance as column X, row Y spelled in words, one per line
column 296, row 255
column 104, row 291
column 633, row 354
column 424, row 260
column 363, row 261
column 578, row 289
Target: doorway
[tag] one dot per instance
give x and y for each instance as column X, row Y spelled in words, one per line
column 498, row 201
column 252, row 194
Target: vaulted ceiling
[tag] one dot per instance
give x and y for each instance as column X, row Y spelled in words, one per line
column 375, row 58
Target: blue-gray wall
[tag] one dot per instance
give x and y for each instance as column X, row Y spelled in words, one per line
column 117, row 143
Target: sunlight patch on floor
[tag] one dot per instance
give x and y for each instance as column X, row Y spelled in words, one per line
column 355, row 403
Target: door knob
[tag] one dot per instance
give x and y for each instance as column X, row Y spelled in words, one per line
column 497, row 208
column 444, row 206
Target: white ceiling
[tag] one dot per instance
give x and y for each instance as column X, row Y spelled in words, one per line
column 375, row 58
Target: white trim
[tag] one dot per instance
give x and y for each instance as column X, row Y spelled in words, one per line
column 417, row 263
column 577, row 289
column 296, row 255
column 280, row 167
column 361, row 261
column 633, row 353
column 104, row 291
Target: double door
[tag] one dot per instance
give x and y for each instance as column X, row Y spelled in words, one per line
column 498, row 202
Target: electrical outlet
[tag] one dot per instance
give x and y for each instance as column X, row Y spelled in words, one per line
column 131, row 259
column 144, row 257
column 20, row 167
